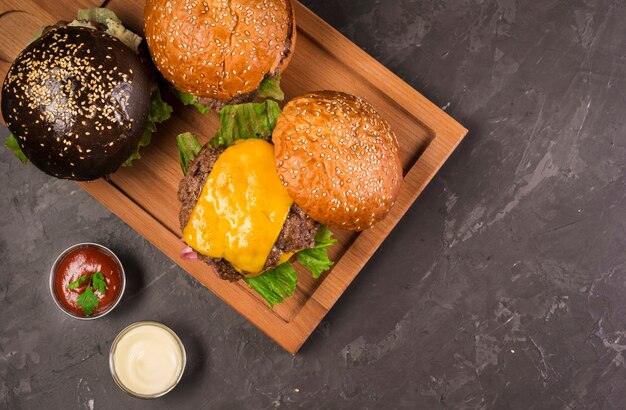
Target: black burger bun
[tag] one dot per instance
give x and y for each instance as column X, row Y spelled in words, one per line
column 77, row 102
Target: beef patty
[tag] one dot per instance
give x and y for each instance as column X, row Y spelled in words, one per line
column 298, row 230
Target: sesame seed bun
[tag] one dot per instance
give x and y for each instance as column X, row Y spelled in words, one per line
column 76, row 100
column 219, row 49
column 338, row 159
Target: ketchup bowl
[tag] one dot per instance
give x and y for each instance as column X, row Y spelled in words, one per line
column 87, row 281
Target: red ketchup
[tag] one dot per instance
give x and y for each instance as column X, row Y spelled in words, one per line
column 86, row 260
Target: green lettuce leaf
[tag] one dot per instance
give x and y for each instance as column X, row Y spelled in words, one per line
column 270, row 88
column 275, row 285
column 159, row 112
column 159, row 109
column 117, row 30
column 37, row 34
column 98, row 14
column 278, row 284
column 243, row 121
column 316, row 258
column 12, row 144
column 188, row 99
column 188, row 149
column 114, row 25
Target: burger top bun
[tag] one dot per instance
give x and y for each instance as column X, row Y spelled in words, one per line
column 76, row 100
column 338, row 159
column 216, row 48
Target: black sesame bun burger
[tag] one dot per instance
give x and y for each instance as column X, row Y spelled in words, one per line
column 218, row 52
column 248, row 206
column 79, row 100
column 338, row 159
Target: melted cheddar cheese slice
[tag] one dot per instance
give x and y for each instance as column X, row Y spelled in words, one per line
column 242, row 207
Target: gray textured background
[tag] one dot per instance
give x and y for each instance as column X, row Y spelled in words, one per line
column 503, row 287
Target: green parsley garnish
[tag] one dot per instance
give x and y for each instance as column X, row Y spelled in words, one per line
column 88, row 300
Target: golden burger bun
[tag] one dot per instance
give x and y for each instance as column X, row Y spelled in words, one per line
column 338, row 159
column 219, row 49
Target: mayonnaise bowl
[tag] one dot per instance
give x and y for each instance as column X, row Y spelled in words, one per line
column 147, row 359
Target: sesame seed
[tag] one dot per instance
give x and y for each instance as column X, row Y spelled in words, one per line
column 361, row 146
column 221, row 73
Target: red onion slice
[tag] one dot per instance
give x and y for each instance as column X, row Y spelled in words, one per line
column 188, row 253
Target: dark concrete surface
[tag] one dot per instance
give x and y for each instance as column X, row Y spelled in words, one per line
column 503, row 287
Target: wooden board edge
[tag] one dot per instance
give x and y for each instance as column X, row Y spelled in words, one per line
column 368, row 68
column 325, row 297
column 392, row 87
column 169, row 243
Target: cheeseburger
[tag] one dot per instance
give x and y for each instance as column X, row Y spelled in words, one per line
column 80, row 100
column 338, row 159
column 249, row 205
column 218, row 52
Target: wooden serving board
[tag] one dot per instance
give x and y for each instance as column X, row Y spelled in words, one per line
column 144, row 196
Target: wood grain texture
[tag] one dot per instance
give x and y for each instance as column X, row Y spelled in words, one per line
column 144, row 196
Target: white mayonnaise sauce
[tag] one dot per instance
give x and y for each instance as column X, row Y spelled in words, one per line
column 148, row 360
